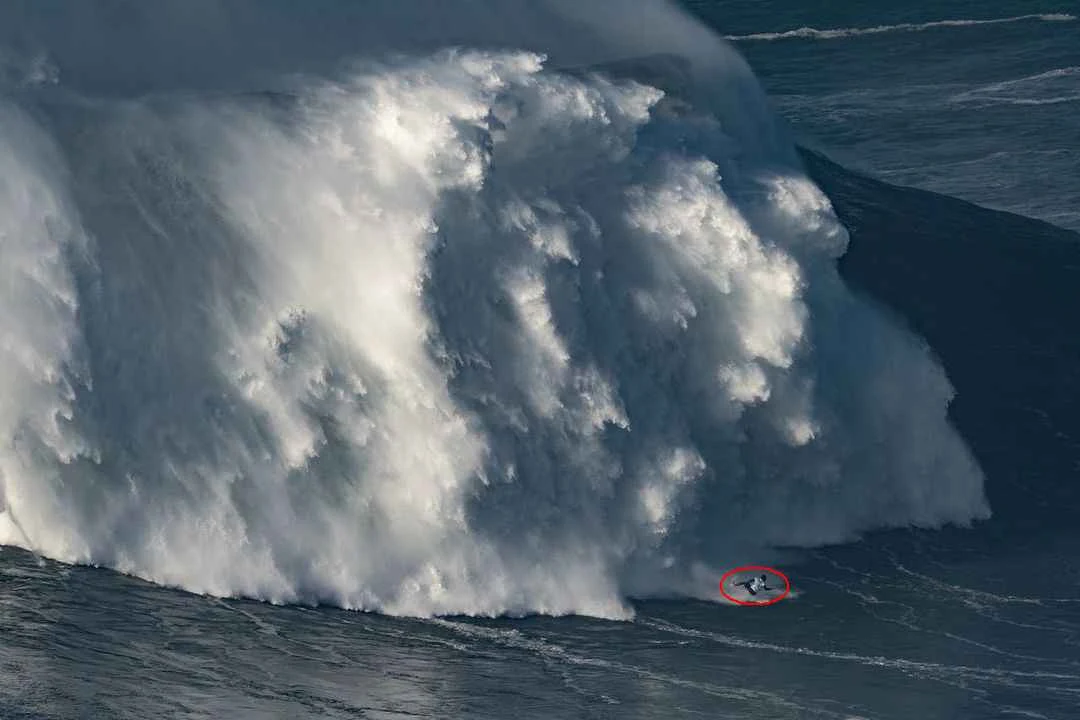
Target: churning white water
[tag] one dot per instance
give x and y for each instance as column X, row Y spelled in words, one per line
column 451, row 331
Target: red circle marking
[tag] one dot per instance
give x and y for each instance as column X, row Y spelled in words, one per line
column 756, row 603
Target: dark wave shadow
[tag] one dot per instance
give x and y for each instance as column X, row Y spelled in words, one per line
column 995, row 295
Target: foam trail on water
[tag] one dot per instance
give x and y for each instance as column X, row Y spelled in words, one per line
column 1060, row 85
column 837, row 33
column 452, row 333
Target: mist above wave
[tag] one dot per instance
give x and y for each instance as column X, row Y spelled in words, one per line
column 450, row 333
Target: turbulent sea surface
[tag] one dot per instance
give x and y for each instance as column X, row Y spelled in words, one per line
column 372, row 360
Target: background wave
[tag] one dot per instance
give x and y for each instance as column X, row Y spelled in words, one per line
column 837, row 33
column 452, row 331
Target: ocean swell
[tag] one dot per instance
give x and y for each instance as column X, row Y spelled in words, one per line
column 810, row 33
column 455, row 332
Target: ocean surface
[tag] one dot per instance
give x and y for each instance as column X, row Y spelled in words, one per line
column 437, row 359
column 972, row 100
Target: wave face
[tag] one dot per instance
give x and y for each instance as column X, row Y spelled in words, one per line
column 453, row 332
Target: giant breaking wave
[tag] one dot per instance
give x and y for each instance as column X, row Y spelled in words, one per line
column 454, row 331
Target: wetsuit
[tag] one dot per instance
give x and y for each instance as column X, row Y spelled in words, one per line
column 754, row 586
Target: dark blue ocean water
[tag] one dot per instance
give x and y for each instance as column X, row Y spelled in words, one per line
column 937, row 621
column 983, row 111
column 913, row 625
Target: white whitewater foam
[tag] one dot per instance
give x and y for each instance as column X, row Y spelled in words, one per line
column 41, row 373
column 455, row 333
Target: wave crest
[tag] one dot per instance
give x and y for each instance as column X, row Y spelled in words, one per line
column 839, row 33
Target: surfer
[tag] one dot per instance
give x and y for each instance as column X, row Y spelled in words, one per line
column 755, row 585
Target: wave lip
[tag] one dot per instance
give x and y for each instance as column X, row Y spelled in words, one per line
column 837, row 33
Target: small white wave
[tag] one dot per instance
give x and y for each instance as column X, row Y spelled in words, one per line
column 1052, row 87
column 836, row 33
